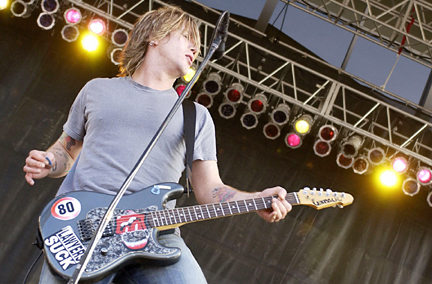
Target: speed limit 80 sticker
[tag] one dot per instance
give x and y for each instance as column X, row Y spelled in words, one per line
column 66, row 208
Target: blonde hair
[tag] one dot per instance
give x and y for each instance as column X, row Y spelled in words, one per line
column 153, row 26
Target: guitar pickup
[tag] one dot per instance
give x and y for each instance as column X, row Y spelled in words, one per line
column 87, row 228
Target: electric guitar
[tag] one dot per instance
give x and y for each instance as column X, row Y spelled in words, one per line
column 68, row 223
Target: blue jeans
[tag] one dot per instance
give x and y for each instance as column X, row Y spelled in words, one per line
column 185, row 271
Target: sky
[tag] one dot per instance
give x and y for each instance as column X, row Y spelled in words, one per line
column 368, row 61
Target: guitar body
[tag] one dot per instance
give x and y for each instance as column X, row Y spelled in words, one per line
column 69, row 221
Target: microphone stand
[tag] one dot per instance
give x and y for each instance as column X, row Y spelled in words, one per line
column 85, row 258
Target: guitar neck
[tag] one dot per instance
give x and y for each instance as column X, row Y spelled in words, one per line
column 172, row 218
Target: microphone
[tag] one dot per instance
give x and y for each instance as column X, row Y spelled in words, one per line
column 221, row 31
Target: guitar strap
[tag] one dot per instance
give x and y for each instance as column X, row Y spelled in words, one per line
column 189, row 116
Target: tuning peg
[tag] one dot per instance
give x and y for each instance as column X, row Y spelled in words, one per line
column 339, row 205
column 335, row 194
column 328, row 191
column 343, row 194
column 321, row 192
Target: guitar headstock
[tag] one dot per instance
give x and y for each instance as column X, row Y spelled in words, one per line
column 320, row 198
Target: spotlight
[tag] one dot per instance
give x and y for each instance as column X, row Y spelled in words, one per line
column 97, row 26
column 45, row 21
column 3, row 4
column 410, row 186
column 72, row 16
column 350, row 148
column 429, row 199
column 249, row 120
column 280, row 114
column 204, row 99
column 115, row 56
column 344, row 162
column 376, row 156
column 322, row 148
column 328, row 133
column 227, row 110
column 258, row 103
column 90, row 42
column 180, row 88
column 293, row 140
column 212, row 85
column 360, row 165
column 70, row 33
column 388, row 178
column 399, row 165
column 271, row 130
column 19, row 9
column 303, row 124
column 234, row 93
column 190, row 73
column 119, row 37
column 424, row 175
column 50, row 6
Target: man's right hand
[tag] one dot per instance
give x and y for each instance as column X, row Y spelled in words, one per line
column 38, row 165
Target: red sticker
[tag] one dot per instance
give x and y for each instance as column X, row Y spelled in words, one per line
column 66, row 208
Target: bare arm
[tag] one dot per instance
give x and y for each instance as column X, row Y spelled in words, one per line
column 209, row 188
column 54, row 162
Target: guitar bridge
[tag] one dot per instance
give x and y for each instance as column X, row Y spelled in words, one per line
column 87, row 228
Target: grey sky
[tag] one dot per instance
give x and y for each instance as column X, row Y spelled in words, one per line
column 368, row 61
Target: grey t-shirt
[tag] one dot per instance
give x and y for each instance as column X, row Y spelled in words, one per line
column 116, row 119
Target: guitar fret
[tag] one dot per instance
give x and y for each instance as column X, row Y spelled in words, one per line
column 247, row 209
column 210, row 216
column 237, row 206
column 256, row 208
column 196, row 216
column 202, row 213
column 173, row 216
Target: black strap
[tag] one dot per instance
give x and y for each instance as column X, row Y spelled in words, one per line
column 189, row 115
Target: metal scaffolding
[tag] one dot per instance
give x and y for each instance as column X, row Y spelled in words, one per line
column 351, row 104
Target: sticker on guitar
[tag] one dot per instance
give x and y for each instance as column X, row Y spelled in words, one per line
column 66, row 208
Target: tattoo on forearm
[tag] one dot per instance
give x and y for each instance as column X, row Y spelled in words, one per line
column 223, row 194
column 69, row 143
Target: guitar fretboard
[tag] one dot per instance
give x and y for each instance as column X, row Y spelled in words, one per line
column 208, row 211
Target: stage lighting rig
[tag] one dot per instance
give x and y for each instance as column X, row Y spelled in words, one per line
column 212, row 85
column 326, row 135
column 258, row 104
column 410, row 186
column 115, row 55
column 271, row 130
column 280, row 115
column 360, row 165
column 97, row 26
column 70, row 33
column 424, row 175
column 20, row 9
column 350, row 147
column 344, row 162
column 234, row 93
column 303, row 124
column 227, row 110
column 72, row 16
column 120, row 36
column 45, row 21
column 50, row 6
column 376, row 156
column 249, row 120
column 400, row 164
column 204, row 99
column 293, row 140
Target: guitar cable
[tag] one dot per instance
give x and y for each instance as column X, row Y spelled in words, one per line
column 32, row 266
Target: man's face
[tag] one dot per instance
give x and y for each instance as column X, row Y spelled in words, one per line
column 177, row 52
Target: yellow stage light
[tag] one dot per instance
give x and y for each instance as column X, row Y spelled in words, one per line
column 190, row 73
column 90, row 42
column 388, row 178
column 4, row 4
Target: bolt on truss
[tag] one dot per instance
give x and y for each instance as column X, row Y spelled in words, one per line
column 380, row 116
column 403, row 26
